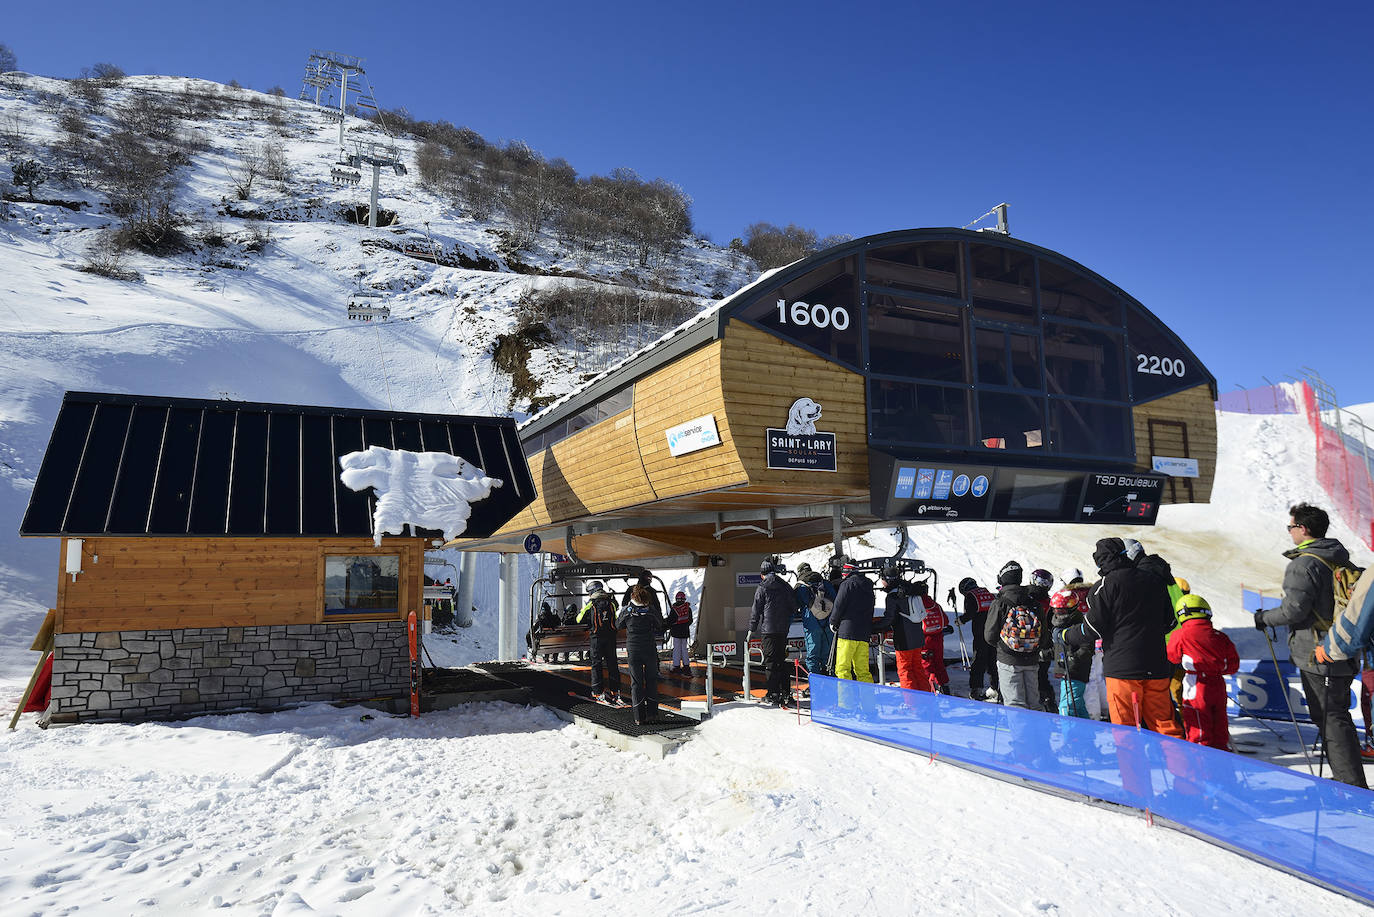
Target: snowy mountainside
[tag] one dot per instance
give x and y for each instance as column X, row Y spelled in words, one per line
column 222, row 319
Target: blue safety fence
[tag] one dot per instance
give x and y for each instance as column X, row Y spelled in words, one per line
column 1253, row 600
column 1315, row 828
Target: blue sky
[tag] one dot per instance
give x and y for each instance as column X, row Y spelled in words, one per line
column 1211, row 159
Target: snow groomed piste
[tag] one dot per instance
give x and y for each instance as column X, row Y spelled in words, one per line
column 1315, row 829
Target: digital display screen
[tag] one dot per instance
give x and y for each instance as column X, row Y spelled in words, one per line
column 926, row 489
column 1037, row 495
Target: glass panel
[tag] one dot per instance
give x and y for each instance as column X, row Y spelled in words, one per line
column 1010, row 421
column 354, row 507
column 907, row 338
column 1008, row 358
column 1156, row 362
column 1083, row 428
column 1084, row 362
column 366, row 584
column 819, row 309
column 1071, row 295
column 923, row 267
column 1003, row 283
column 910, row 413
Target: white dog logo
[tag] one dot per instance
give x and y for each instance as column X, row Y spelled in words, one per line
column 801, row 419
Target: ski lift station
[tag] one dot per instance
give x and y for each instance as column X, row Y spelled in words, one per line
column 925, row 375
column 212, row 558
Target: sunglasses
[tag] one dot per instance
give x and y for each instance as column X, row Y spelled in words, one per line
column 1294, row 526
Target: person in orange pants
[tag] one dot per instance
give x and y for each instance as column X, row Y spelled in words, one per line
column 1129, row 610
column 906, row 614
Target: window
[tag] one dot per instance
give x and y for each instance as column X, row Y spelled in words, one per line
column 1087, row 428
column 914, row 339
column 819, row 309
column 1003, row 285
column 1066, row 294
column 921, row 267
column 906, row 412
column 1011, row 421
column 1008, row 358
column 362, row 586
column 1083, row 362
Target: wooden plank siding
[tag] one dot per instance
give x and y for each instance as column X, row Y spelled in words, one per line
column 683, row 390
column 761, row 376
column 1195, row 408
column 170, row 583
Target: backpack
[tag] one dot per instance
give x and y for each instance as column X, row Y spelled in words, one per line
column 1352, row 631
column 824, row 604
column 1344, row 576
column 916, row 609
column 1021, row 629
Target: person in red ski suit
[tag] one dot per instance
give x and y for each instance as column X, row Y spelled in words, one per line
column 935, row 625
column 1207, row 656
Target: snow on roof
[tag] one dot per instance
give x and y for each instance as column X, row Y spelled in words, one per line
column 710, row 312
column 429, row 490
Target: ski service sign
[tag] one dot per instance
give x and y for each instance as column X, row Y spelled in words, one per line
column 799, row 446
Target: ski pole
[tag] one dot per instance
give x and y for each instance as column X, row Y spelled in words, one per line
column 1287, row 703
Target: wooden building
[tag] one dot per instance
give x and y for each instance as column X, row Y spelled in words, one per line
column 211, row 559
column 921, row 375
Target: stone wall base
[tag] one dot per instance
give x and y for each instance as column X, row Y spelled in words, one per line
column 152, row 674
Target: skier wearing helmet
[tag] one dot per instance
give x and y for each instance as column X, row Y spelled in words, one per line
column 977, row 601
column 599, row 614
column 1207, row 656
column 680, row 628
column 1041, row 581
column 774, row 605
column 1072, row 664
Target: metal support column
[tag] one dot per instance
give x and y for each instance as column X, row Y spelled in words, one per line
column 508, row 609
column 372, row 206
column 467, row 582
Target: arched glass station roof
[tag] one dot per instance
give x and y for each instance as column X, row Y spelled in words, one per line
column 972, row 344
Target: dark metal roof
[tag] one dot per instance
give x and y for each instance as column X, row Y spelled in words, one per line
column 709, row 324
column 140, row 465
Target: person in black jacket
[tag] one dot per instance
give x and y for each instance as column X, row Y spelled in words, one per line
column 646, row 579
column 599, row 615
column 908, row 633
column 977, row 603
column 1040, row 583
column 1018, row 628
column 680, row 629
column 774, row 605
column 1129, row 609
column 852, row 623
column 644, row 627
column 1309, row 602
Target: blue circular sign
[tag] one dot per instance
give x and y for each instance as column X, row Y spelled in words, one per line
column 532, row 543
column 980, row 485
column 961, row 485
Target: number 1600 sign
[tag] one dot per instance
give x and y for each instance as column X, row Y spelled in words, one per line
column 818, row 315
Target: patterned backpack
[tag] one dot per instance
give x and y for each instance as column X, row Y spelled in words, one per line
column 1021, row 629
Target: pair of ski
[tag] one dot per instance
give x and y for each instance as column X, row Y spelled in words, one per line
column 618, row 705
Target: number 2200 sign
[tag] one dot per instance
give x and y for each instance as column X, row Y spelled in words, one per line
column 1158, row 366
column 818, row 315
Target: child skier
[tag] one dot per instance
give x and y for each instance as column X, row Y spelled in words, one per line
column 1206, row 655
column 680, row 627
column 935, row 625
column 1072, row 664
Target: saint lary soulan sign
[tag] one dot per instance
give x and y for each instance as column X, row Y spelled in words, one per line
column 799, row 447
